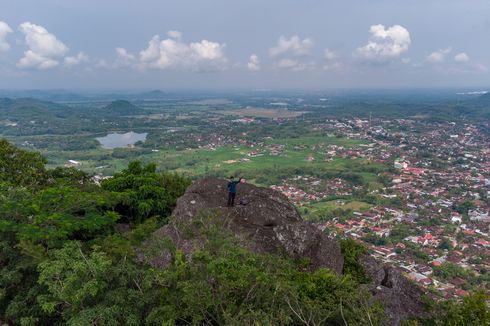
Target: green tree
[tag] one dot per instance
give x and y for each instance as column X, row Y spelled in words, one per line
column 472, row 311
column 143, row 193
column 445, row 245
column 19, row 167
column 90, row 288
column 352, row 251
column 449, row 271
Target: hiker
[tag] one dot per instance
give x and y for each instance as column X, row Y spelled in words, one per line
column 232, row 190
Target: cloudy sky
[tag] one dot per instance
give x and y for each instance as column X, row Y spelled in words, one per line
column 247, row 44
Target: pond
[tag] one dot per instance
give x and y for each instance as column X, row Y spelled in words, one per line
column 116, row 140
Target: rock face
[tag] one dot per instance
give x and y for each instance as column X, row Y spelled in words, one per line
column 266, row 222
column 263, row 219
column 401, row 298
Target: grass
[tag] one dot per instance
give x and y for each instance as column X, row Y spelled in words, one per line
column 317, row 140
column 200, row 162
column 316, row 210
column 262, row 113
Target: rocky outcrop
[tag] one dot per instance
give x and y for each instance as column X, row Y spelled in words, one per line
column 263, row 219
column 400, row 297
column 266, row 222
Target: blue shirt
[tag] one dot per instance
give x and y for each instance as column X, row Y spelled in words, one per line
column 232, row 186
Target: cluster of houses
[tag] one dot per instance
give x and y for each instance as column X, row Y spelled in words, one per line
column 305, row 189
column 436, row 171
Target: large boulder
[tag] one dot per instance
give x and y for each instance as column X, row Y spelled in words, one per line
column 401, row 298
column 262, row 219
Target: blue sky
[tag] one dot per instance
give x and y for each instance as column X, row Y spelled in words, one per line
column 219, row 44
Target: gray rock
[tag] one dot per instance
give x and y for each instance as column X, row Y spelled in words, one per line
column 401, row 298
column 265, row 222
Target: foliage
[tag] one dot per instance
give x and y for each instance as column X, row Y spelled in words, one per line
column 54, row 214
column 87, row 289
column 223, row 284
column 472, row 311
column 448, row 271
column 43, row 210
column 375, row 239
column 445, row 245
column 464, row 207
column 143, row 193
column 352, row 251
column 20, row 168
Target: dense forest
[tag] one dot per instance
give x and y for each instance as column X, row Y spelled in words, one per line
column 70, row 255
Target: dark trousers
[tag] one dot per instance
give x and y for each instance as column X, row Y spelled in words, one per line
column 231, row 198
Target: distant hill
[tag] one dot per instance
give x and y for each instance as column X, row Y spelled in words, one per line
column 29, row 108
column 46, row 95
column 64, row 96
column 484, row 98
column 28, row 103
column 19, row 103
column 121, row 107
column 5, row 102
column 477, row 108
column 152, row 95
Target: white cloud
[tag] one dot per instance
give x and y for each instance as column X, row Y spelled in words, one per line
column 292, row 46
column 438, row 56
column 253, row 63
column 287, row 63
column 385, row 44
column 461, row 57
column 329, row 55
column 175, row 34
column 124, row 58
column 331, row 60
column 294, row 64
column 45, row 50
column 4, row 31
column 173, row 53
column 206, row 50
column 101, row 63
column 292, row 53
column 32, row 59
column 459, row 64
column 75, row 60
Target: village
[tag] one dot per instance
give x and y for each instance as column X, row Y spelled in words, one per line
column 438, row 230
column 434, row 220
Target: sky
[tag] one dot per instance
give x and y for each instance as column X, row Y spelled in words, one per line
column 248, row 44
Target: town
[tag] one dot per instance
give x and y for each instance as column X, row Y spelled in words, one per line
column 437, row 229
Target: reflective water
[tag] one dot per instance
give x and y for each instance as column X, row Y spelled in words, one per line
column 116, row 140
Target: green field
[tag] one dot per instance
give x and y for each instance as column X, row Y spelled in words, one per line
column 318, row 140
column 263, row 113
column 224, row 161
column 319, row 210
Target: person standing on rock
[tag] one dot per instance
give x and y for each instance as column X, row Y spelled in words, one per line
column 232, row 190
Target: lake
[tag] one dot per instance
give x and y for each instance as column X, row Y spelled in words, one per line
column 116, row 140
